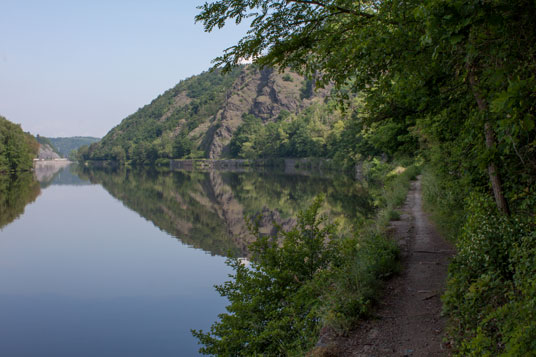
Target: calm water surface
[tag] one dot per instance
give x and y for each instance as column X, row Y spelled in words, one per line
column 123, row 263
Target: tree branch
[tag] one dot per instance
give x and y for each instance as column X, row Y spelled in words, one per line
column 328, row 6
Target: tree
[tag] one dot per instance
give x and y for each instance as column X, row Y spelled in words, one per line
column 182, row 146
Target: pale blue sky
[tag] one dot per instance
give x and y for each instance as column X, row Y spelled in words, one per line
column 79, row 67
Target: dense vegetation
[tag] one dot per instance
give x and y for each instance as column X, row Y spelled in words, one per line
column 456, row 78
column 65, row 146
column 323, row 130
column 17, row 148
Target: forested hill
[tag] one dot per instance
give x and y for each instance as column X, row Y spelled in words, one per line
column 198, row 117
column 17, row 148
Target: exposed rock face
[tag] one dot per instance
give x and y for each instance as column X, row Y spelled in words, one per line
column 264, row 94
column 46, row 153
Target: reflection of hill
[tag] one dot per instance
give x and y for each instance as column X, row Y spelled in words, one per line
column 15, row 193
column 286, row 195
column 206, row 209
column 181, row 204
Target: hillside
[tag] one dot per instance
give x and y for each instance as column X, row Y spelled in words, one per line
column 17, row 148
column 198, row 117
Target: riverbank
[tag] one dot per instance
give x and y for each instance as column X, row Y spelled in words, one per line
column 309, row 280
column 288, row 165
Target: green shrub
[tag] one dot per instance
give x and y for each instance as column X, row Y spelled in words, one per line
column 444, row 201
column 491, row 294
column 274, row 302
column 364, row 262
column 162, row 162
column 299, row 281
column 287, row 78
column 394, row 215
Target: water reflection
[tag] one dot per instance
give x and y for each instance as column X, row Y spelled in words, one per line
column 206, row 210
column 57, row 173
column 15, row 193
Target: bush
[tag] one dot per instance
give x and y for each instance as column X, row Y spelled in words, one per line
column 274, row 302
column 287, row 78
column 444, row 201
column 491, row 294
column 365, row 260
column 163, row 162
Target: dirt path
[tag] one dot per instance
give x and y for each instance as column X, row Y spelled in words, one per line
column 408, row 319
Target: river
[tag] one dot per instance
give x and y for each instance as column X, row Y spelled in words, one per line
column 123, row 262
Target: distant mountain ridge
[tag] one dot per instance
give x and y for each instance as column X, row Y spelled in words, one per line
column 61, row 147
column 66, row 145
column 199, row 116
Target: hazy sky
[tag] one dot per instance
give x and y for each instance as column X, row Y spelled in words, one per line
column 79, row 67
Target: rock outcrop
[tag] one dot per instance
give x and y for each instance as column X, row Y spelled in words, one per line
column 46, row 152
column 263, row 93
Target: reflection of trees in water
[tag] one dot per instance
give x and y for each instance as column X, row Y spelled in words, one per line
column 182, row 204
column 206, row 209
column 288, row 194
column 15, row 193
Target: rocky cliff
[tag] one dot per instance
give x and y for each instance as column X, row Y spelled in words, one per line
column 46, row 152
column 264, row 94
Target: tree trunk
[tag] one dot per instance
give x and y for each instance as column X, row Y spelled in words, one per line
column 493, row 173
column 500, row 200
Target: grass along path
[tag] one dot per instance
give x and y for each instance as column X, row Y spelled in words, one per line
column 408, row 321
